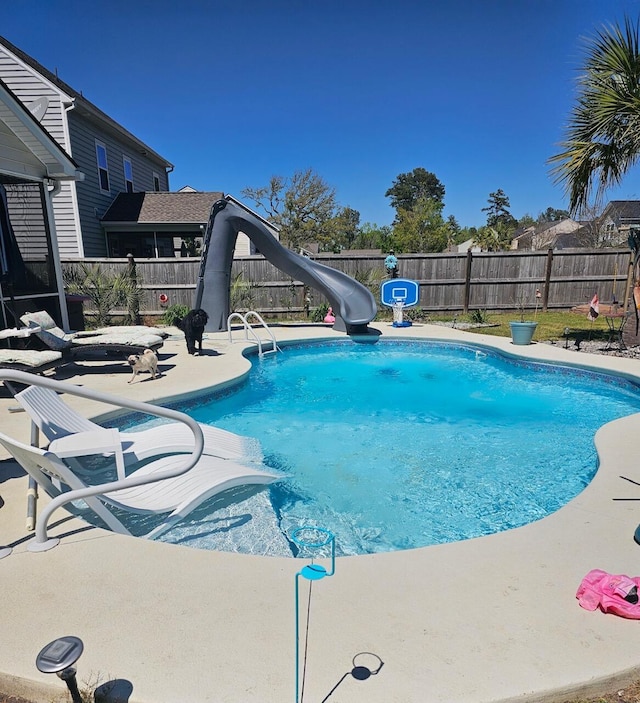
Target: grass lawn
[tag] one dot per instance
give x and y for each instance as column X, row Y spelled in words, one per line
column 552, row 326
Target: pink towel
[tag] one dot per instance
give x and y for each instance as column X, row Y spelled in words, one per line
column 612, row 593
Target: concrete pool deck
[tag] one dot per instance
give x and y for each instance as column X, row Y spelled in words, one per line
column 488, row 619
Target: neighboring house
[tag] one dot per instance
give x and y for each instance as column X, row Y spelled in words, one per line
column 464, row 247
column 33, row 168
column 112, row 159
column 156, row 225
column 547, row 235
column 616, row 220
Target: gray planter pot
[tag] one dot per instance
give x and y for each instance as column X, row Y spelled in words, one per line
column 522, row 332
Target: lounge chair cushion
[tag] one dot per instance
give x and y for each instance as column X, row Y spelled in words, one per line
column 130, row 329
column 28, row 358
column 49, row 333
column 117, row 338
column 57, row 339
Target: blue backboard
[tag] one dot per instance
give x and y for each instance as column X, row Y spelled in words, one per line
column 400, row 290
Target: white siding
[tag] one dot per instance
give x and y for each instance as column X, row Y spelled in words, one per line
column 244, row 246
column 15, row 158
column 28, row 86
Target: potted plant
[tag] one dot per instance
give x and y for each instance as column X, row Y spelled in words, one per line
column 522, row 331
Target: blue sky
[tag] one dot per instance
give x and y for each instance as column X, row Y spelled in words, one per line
column 476, row 91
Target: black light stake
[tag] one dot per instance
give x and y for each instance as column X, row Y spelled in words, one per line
column 58, row 657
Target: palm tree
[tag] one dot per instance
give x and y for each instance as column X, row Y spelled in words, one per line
column 603, row 136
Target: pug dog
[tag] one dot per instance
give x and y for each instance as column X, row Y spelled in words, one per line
column 147, row 361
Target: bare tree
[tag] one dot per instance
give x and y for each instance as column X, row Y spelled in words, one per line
column 303, row 206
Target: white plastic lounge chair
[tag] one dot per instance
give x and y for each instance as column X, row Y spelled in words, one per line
column 126, row 340
column 173, row 484
column 57, row 420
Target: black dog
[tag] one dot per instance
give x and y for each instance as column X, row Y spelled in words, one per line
column 192, row 324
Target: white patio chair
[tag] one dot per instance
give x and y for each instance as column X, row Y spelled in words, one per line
column 59, row 423
column 175, row 484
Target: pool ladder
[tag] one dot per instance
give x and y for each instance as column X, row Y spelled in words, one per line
column 250, row 332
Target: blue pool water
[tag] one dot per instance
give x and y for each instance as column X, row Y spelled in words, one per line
column 398, row 445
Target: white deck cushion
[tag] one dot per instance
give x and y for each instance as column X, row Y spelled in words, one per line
column 28, row 357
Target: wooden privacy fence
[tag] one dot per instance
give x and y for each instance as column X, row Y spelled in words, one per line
column 448, row 282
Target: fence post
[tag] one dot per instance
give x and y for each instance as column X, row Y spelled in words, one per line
column 547, row 280
column 467, row 282
column 133, row 304
column 629, row 283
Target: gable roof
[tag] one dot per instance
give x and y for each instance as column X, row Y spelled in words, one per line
column 161, row 208
column 27, row 150
column 83, row 106
column 623, row 210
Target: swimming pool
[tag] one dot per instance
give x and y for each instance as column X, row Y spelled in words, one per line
column 398, row 445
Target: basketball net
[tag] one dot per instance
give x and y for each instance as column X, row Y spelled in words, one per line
column 397, row 306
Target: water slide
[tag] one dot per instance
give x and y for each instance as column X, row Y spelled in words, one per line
column 352, row 303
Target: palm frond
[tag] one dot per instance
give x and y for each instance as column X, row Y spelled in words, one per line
column 603, row 135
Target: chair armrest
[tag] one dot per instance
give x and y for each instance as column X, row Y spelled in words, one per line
column 102, row 441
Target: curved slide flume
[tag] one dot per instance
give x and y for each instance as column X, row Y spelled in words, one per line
column 353, row 304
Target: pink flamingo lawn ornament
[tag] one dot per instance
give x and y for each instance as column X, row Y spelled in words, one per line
column 330, row 318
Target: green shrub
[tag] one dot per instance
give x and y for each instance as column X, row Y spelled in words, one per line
column 173, row 312
column 106, row 290
column 480, row 317
column 318, row 314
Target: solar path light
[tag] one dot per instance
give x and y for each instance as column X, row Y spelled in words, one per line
column 58, row 657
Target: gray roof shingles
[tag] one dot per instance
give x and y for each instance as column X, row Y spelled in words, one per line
column 150, row 208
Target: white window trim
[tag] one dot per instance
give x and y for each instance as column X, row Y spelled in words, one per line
column 154, row 176
column 106, row 158
column 126, row 160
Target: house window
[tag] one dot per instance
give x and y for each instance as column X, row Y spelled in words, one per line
column 128, row 174
column 143, row 245
column 156, row 182
column 103, row 168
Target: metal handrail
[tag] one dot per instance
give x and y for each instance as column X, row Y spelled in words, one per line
column 192, row 459
column 249, row 330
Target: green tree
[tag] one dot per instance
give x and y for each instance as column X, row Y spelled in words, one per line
column 302, row 206
column 421, row 229
column 409, row 188
column 603, row 135
column 465, row 234
column 551, row 214
column 527, row 220
column 496, row 238
column 498, row 210
column 371, row 236
column 342, row 230
column 453, row 230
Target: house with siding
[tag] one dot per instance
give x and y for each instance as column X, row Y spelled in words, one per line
column 617, row 220
column 33, row 169
column 560, row 234
column 158, row 225
column 112, row 159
